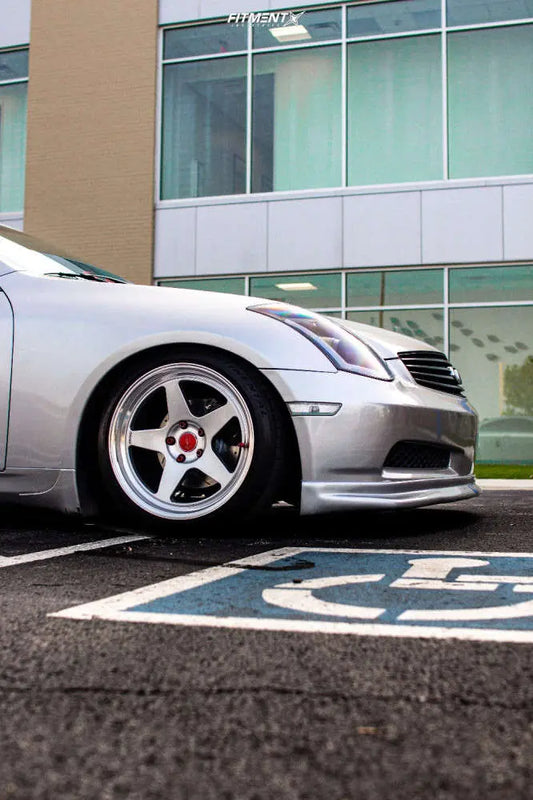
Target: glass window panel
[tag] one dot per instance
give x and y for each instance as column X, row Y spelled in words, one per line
column 312, row 26
column 309, row 291
column 403, row 287
column 204, row 128
column 394, row 110
column 492, row 348
column 13, row 106
column 199, row 40
column 13, row 64
column 483, row 284
column 467, row 12
column 226, row 285
column 414, row 286
column 365, row 288
column 420, row 324
column 297, row 120
column 490, row 101
column 373, row 19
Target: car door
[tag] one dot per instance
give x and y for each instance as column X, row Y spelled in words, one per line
column 6, row 350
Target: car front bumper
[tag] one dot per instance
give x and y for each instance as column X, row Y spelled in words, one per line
column 343, row 457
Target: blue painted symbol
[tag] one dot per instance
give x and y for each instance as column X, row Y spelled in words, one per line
column 467, row 591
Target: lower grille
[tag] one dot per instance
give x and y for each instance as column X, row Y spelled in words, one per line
column 432, row 369
column 417, row 455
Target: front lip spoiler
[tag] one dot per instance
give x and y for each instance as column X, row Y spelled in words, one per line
column 319, row 498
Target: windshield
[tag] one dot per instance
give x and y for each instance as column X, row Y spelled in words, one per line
column 28, row 254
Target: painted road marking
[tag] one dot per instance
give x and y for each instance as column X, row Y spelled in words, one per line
column 43, row 555
column 348, row 591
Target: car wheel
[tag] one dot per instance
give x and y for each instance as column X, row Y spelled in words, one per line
column 192, row 436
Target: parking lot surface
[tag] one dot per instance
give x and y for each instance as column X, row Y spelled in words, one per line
column 272, row 663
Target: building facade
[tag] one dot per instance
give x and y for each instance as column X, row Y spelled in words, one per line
column 371, row 160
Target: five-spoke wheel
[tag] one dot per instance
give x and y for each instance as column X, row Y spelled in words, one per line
column 183, row 439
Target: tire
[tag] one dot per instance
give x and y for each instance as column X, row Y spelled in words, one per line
column 191, row 436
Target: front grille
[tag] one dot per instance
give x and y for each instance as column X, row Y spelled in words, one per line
column 418, row 455
column 432, row 369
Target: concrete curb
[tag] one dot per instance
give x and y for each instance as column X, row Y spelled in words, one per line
column 504, row 483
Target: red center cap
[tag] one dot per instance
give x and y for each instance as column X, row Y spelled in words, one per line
column 187, row 442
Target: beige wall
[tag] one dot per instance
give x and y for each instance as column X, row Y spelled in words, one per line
column 91, row 127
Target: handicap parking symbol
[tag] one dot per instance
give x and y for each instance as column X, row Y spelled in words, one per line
column 482, row 596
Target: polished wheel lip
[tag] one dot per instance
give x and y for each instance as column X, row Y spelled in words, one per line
column 120, row 438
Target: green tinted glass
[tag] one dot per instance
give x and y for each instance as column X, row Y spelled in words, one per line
column 373, row 19
column 13, row 64
column 227, row 285
column 424, row 324
column 13, row 106
column 483, row 284
column 394, row 110
column 490, row 102
column 199, row 40
column 402, row 287
column 204, row 128
column 470, row 12
column 309, row 291
column 492, row 348
column 296, row 120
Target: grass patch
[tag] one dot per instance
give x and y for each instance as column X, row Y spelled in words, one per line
column 504, row 470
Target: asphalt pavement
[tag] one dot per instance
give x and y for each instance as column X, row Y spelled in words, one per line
column 102, row 709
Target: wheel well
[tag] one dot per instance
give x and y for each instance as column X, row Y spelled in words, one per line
column 87, row 473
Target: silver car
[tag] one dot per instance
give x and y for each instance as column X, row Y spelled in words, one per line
column 181, row 405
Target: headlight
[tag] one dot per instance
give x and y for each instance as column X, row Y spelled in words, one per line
column 342, row 347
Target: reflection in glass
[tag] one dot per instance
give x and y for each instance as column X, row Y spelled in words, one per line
column 309, row 291
column 394, row 110
column 490, row 101
column 313, row 26
column 470, row 12
column 226, row 285
column 402, row 287
column 493, row 376
column 483, row 284
column 297, row 120
column 199, row 40
column 419, row 324
column 204, row 128
column 373, row 19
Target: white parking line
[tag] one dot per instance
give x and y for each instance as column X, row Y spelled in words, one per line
column 42, row 555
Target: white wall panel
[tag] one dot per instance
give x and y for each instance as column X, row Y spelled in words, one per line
column 178, row 11
column 382, row 229
column 221, row 8
column 518, row 222
column 231, row 238
column 175, row 242
column 14, row 22
column 462, row 225
column 305, row 234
